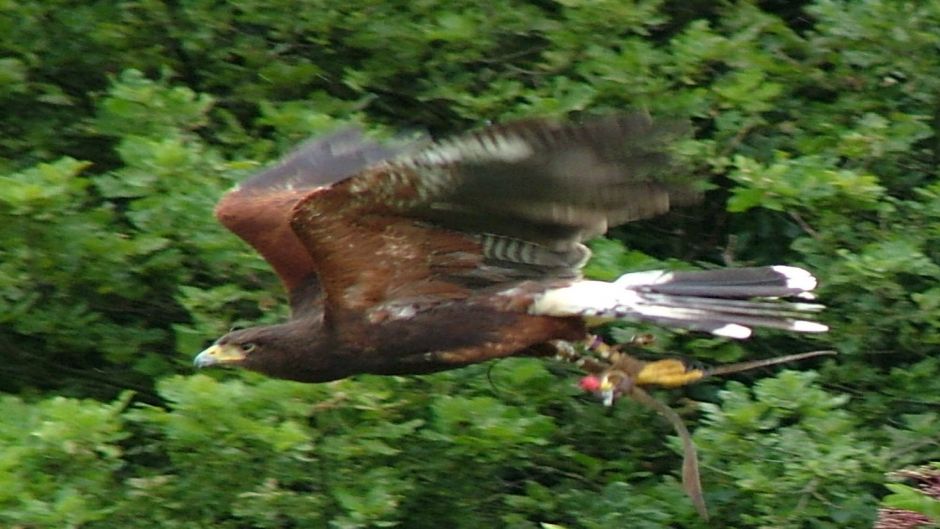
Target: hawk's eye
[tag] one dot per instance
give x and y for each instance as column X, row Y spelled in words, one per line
column 248, row 347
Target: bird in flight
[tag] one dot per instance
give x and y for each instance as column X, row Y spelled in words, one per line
column 408, row 260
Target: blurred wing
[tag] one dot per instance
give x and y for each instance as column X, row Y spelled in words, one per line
column 550, row 183
column 258, row 210
column 505, row 203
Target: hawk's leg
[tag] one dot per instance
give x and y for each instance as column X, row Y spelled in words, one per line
column 596, row 356
column 581, row 354
column 622, row 374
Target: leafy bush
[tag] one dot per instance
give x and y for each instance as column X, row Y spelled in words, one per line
column 815, row 121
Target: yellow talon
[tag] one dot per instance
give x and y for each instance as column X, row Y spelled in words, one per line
column 670, row 373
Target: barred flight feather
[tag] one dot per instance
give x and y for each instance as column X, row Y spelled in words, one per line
column 519, row 251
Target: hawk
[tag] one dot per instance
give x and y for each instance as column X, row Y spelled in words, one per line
column 408, row 260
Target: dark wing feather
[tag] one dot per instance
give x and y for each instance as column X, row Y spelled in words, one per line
column 258, row 210
column 556, row 184
column 481, row 207
column 322, row 161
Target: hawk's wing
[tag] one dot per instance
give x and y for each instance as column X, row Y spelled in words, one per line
column 500, row 204
column 258, row 210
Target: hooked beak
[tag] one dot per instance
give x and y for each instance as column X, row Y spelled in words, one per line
column 219, row 355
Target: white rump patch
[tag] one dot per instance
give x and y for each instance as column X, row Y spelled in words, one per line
column 584, row 298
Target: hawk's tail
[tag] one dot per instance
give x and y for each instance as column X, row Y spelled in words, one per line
column 728, row 302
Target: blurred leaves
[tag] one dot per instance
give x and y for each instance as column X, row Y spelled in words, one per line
column 816, row 123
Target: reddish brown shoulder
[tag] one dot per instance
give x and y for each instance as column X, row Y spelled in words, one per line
column 259, row 209
column 263, row 221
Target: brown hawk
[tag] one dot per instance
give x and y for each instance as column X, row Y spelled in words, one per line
column 402, row 261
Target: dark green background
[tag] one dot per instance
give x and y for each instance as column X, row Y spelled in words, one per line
column 122, row 122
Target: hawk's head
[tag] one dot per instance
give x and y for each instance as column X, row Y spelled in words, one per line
column 292, row 351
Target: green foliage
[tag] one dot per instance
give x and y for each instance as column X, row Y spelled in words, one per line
column 268, row 453
column 815, row 121
column 60, row 463
column 806, row 460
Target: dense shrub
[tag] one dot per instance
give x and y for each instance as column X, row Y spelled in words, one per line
column 124, row 121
